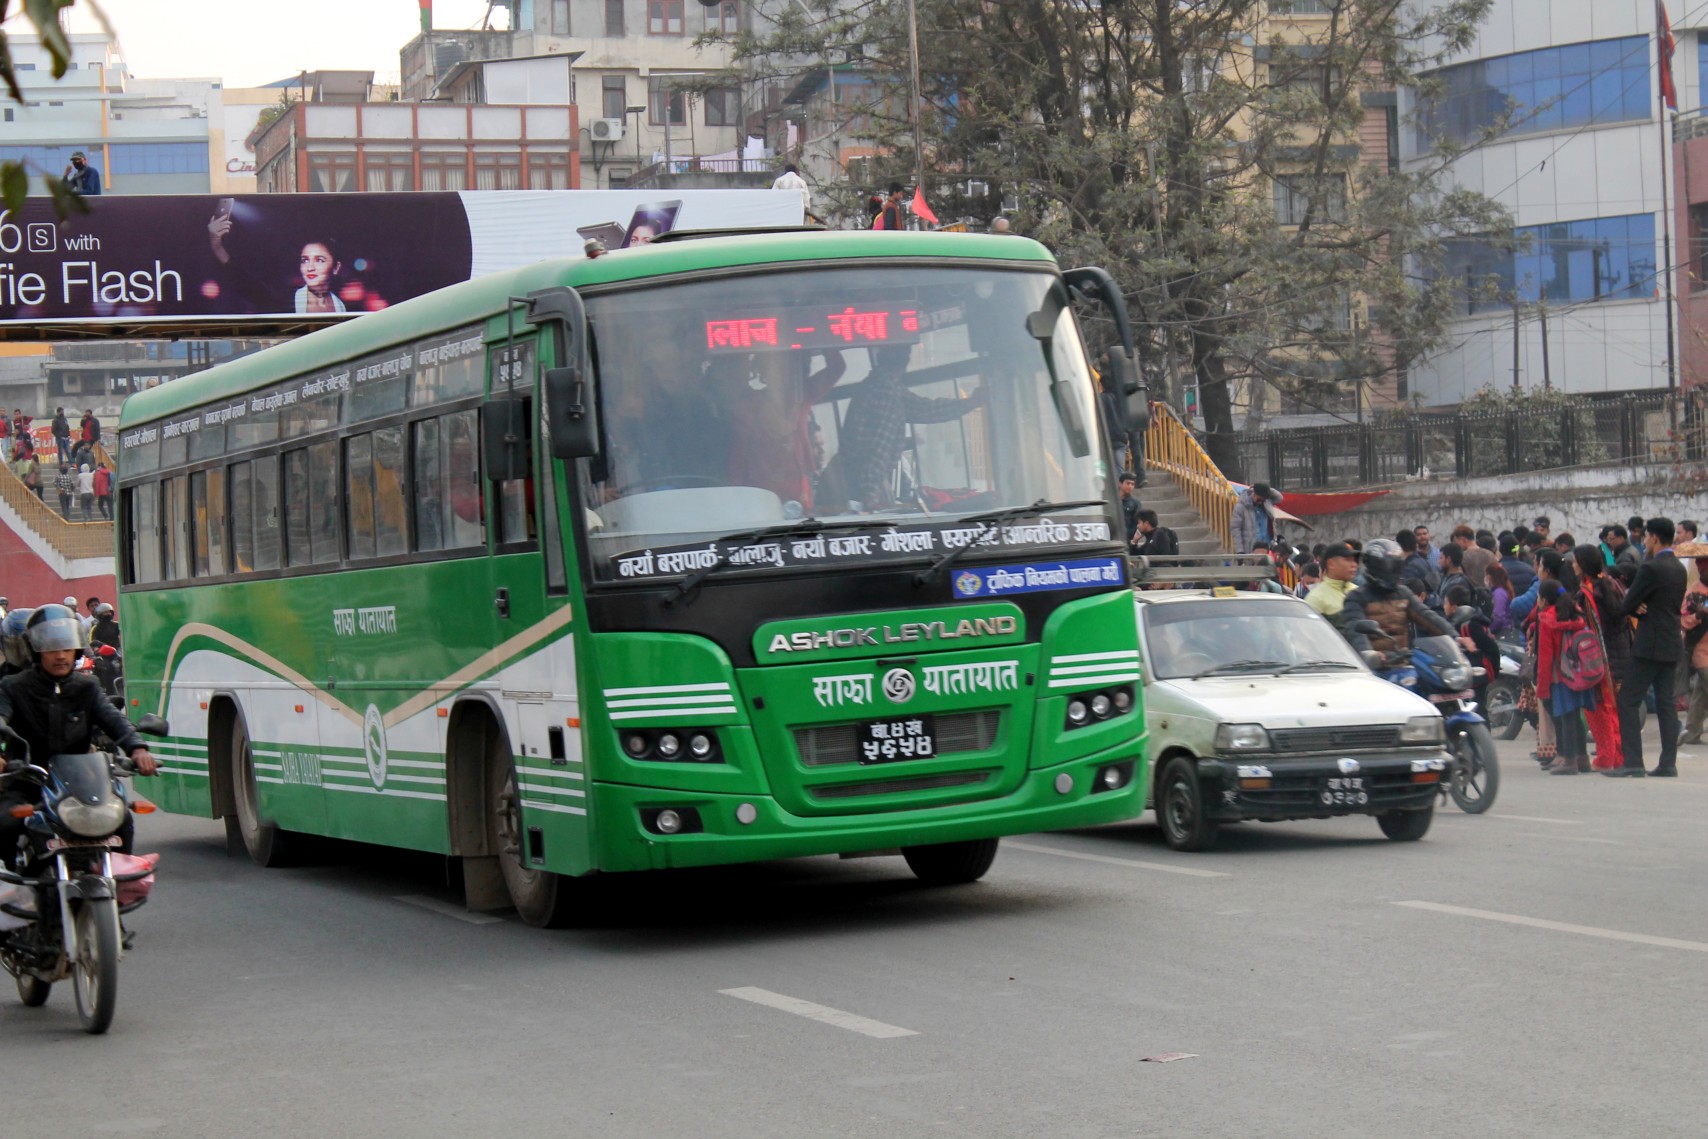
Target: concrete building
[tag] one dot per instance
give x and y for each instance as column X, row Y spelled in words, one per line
column 635, row 62
column 146, row 136
column 1579, row 166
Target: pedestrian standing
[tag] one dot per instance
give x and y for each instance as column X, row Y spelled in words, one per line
column 1130, row 506
column 1474, row 558
column 1694, row 620
column 1500, row 597
column 1559, row 619
column 62, row 434
column 104, row 490
column 890, row 217
column 86, row 492
column 790, row 179
column 1340, row 577
column 66, row 484
column 91, row 427
column 29, row 472
column 1656, row 600
column 1430, row 553
column 80, row 177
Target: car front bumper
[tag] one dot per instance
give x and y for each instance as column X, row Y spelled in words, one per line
column 1320, row 787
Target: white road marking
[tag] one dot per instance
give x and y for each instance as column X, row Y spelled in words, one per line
column 1191, row 871
column 446, row 908
column 1534, row 819
column 1560, row 926
column 823, row 1013
column 1573, row 838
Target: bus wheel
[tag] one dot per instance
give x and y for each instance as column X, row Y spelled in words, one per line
column 541, row 897
column 267, row 844
column 951, row 863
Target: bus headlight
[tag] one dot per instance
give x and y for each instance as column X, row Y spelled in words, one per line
column 671, row 745
column 1085, row 708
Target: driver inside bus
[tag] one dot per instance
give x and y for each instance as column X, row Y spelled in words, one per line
column 772, row 428
column 874, row 430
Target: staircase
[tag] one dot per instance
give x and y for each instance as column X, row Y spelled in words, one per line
column 1174, row 510
column 1187, row 490
column 43, row 557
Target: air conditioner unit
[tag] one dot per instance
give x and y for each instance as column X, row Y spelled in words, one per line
column 607, row 130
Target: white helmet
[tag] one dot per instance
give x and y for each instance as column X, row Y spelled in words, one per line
column 70, row 603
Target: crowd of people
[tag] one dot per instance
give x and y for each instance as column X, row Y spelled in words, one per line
column 1604, row 628
column 81, row 479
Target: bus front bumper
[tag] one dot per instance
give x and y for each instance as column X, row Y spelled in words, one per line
column 720, row 828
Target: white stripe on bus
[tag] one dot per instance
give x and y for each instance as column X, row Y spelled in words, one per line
column 388, row 794
column 723, row 687
column 1093, row 669
column 536, row 773
column 554, row 807
column 673, row 713
column 568, row 792
column 267, row 779
column 201, row 774
column 668, row 701
column 267, row 766
column 1082, row 681
column 1124, row 654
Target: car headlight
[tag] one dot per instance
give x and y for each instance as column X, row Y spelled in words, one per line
column 1457, row 676
column 91, row 820
column 1241, row 737
column 1423, row 730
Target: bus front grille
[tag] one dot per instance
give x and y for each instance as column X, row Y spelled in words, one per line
column 899, row 786
column 957, row 732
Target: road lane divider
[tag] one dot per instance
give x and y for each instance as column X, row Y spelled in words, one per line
column 824, row 1014
column 1166, row 868
column 1560, row 926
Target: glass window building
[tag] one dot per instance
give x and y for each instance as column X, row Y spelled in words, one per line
column 1555, row 88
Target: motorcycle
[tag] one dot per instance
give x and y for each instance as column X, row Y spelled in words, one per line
column 108, row 665
column 1501, row 702
column 62, row 892
column 1437, row 669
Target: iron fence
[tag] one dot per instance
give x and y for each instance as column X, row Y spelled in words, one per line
column 1629, row 428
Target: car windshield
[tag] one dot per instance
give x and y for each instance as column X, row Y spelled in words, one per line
column 1242, row 636
column 901, row 395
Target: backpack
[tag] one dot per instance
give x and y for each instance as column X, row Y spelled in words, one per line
column 1484, row 599
column 1583, row 664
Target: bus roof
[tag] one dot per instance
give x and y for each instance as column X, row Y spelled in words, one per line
column 484, row 297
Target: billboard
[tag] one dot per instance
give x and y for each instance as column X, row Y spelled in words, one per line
column 208, row 259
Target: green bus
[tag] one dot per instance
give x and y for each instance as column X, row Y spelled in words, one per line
column 726, row 548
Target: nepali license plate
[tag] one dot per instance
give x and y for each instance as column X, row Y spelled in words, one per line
column 1344, row 791
column 885, row 741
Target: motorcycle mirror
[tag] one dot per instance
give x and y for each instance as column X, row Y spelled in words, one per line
column 152, row 725
column 107, row 651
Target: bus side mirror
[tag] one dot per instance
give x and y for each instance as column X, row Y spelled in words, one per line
column 570, row 420
column 1121, row 376
column 152, row 725
column 504, row 439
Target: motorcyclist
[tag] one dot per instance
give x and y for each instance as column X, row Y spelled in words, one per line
column 1386, row 600
column 106, row 627
column 53, row 709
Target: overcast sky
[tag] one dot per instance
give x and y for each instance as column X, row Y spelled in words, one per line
column 246, row 43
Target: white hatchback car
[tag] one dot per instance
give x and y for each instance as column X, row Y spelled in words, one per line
column 1257, row 708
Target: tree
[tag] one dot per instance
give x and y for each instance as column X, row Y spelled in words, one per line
column 1148, row 136
column 47, row 18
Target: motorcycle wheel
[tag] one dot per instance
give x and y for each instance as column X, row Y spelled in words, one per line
column 95, row 972
column 1476, row 770
column 33, row 991
column 1505, row 720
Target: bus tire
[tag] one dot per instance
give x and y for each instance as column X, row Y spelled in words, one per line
column 540, row 897
column 951, row 863
column 266, row 844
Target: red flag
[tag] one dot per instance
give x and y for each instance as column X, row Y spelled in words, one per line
column 919, row 208
column 1667, row 47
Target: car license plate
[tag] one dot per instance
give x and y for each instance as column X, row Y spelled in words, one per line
column 1344, row 791
column 885, row 741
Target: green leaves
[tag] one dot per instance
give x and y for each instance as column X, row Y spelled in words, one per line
column 47, row 17
column 14, row 185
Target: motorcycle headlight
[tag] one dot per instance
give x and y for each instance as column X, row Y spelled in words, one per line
column 1241, row 737
column 1423, row 730
column 91, row 820
column 1456, row 676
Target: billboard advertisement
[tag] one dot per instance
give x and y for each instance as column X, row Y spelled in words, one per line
column 211, row 258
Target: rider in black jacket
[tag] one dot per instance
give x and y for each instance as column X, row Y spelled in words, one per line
column 1386, row 600
column 54, row 710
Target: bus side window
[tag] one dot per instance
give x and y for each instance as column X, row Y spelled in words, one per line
column 323, row 501
column 429, row 483
column 177, row 525
column 516, row 502
column 359, row 494
column 207, row 523
column 266, row 507
column 144, row 516
column 391, row 527
column 464, row 490
column 299, row 551
column 242, row 519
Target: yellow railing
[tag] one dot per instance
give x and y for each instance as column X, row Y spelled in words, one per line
column 72, row 539
column 1170, row 446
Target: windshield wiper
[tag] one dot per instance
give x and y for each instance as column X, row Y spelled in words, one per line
column 988, row 523
column 1304, row 664
column 1239, row 666
column 740, row 538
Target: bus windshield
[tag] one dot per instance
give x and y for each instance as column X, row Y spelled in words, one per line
column 904, row 395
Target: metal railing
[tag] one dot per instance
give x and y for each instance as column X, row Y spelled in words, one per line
column 1170, row 446
column 73, row 540
column 1624, row 429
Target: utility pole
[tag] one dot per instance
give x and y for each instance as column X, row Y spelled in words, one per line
column 913, row 60
column 1517, row 322
column 1542, row 312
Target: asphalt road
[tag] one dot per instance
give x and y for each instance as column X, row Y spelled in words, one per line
column 1309, row 969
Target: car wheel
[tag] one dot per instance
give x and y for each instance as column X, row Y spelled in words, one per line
column 1406, row 826
column 1180, row 808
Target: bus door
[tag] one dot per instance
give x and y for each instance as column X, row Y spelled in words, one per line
column 531, row 606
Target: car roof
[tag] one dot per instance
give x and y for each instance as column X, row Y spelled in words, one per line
column 1165, row 596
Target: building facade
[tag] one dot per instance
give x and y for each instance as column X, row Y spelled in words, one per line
column 1581, row 301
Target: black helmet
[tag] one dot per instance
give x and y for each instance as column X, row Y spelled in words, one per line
column 51, row 628
column 1383, row 561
